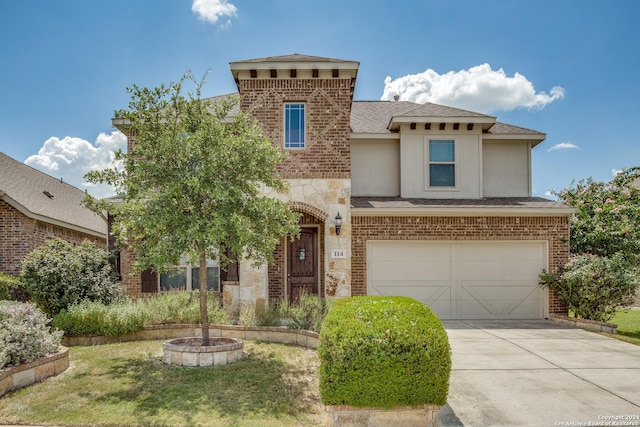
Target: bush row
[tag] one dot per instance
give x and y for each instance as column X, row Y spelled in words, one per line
column 25, row 335
column 383, row 352
column 128, row 315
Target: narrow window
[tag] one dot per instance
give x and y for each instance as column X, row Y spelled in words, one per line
column 442, row 167
column 294, row 126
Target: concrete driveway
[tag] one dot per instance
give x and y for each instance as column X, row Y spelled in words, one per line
column 537, row 373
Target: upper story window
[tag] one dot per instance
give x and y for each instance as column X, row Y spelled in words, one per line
column 294, row 125
column 442, row 163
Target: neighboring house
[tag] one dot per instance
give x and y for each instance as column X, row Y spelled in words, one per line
column 432, row 202
column 35, row 207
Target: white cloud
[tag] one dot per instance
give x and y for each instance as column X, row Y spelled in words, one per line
column 212, row 10
column 479, row 88
column 564, row 146
column 71, row 158
column 616, row 172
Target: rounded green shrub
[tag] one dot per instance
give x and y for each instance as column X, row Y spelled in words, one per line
column 59, row 274
column 383, row 352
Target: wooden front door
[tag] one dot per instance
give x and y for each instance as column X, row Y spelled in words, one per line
column 302, row 264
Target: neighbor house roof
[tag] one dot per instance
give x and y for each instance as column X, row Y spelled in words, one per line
column 47, row 199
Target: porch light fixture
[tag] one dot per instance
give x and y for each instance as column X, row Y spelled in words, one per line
column 302, row 254
column 338, row 223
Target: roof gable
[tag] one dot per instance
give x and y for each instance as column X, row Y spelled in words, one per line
column 45, row 198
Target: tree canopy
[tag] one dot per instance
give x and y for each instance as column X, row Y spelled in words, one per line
column 192, row 182
column 607, row 220
column 603, row 270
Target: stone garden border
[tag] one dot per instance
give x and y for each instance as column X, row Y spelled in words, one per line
column 589, row 325
column 277, row 334
column 30, row 373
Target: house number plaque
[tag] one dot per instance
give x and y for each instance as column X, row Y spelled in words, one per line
column 338, row 253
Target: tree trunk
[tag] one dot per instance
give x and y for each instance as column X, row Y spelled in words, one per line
column 204, row 312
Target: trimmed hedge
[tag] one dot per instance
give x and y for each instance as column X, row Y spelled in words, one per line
column 383, row 352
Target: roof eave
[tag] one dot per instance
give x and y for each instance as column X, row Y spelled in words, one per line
column 535, row 139
column 364, row 135
column 465, row 212
column 43, row 218
column 395, row 122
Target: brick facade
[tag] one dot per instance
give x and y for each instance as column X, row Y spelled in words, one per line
column 328, row 111
column 555, row 230
column 20, row 234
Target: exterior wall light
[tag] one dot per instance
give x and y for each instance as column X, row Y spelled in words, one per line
column 338, row 223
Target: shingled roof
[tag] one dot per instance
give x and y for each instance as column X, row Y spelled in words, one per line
column 45, row 198
column 374, row 117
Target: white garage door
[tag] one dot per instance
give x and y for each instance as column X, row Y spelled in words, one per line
column 461, row 280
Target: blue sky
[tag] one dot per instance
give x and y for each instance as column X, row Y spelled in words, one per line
column 569, row 69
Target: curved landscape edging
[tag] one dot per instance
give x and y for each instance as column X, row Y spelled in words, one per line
column 276, row 334
column 33, row 372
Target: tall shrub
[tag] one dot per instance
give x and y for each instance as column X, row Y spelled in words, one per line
column 593, row 286
column 383, row 352
column 59, row 274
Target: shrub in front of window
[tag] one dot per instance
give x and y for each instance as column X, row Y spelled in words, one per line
column 25, row 335
column 383, row 352
column 593, row 286
column 59, row 274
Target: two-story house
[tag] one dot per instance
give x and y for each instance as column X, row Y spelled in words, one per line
column 397, row 198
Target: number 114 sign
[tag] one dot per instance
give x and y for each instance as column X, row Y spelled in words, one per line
column 338, row 253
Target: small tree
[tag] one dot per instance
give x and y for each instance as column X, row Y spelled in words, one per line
column 192, row 183
column 608, row 215
column 602, row 274
column 59, row 274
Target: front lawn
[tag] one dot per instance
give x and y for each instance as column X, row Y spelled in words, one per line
column 628, row 326
column 127, row 384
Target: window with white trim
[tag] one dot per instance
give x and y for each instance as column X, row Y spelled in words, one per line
column 188, row 277
column 294, row 125
column 442, row 163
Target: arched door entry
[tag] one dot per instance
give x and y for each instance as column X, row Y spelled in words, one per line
column 302, row 264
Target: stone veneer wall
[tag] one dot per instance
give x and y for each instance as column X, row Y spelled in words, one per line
column 555, row 230
column 20, row 234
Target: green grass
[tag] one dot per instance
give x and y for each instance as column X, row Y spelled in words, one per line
column 127, row 384
column 628, row 326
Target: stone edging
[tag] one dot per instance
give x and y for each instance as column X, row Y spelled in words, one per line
column 277, row 334
column 30, row 373
column 423, row 415
column 589, row 325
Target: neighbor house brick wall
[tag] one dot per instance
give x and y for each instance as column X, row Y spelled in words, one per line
column 555, row 230
column 20, row 234
column 328, row 110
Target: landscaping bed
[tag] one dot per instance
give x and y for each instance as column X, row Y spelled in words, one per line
column 127, row 384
